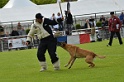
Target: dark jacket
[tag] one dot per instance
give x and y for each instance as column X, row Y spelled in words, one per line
column 113, row 23
column 69, row 19
column 85, row 25
column 14, row 33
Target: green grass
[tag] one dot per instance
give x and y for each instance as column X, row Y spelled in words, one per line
column 23, row 66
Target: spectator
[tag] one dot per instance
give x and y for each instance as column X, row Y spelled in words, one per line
column 87, row 24
column 106, row 21
column 93, row 24
column 69, row 22
column 102, row 20
column 22, row 31
column 14, row 32
column 61, row 23
column 1, row 31
column 7, row 34
column 121, row 17
column 19, row 28
column 92, row 21
column 54, row 27
column 114, row 27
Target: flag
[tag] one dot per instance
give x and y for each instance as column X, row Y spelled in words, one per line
column 58, row 1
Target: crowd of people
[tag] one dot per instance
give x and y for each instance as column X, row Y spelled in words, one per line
column 66, row 25
column 16, row 31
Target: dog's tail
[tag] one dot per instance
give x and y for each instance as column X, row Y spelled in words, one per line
column 101, row 57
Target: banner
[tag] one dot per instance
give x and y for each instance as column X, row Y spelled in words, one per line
column 16, row 43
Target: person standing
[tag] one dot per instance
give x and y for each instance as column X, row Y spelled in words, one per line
column 69, row 22
column 61, row 23
column 14, row 32
column 121, row 17
column 48, row 41
column 114, row 27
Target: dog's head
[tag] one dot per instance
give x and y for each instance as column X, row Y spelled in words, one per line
column 62, row 44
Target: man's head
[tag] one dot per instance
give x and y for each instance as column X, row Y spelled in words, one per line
column 112, row 14
column 38, row 17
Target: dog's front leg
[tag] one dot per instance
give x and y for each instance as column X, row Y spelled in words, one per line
column 72, row 62
column 69, row 61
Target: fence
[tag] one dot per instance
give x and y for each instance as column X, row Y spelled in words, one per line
column 79, row 36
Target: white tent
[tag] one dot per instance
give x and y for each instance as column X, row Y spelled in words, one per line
column 19, row 4
column 16, row 10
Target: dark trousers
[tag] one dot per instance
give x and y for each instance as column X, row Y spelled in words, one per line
column 118, row 35
column 50, row 45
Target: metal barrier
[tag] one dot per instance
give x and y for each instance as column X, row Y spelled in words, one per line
column 18, row 42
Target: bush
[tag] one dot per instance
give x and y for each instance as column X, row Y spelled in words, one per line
column 99, row 24
column 27, row 31
column 1, row 29
column 78, row 26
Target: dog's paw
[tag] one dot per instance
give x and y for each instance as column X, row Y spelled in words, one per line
column 92, row 65
column 66, row 65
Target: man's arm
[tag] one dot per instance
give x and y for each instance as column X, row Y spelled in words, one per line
column 53, row 22
column 31, row 33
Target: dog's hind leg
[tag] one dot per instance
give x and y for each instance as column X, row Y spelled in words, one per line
column 72, row 62
column 69, row 61
column 89, row 60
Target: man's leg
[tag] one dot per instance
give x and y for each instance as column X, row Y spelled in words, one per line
column 41, row 56
column 52, row 52
column 111, row 38
column 119, row 37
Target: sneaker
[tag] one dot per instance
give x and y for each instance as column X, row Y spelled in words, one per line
column 121, row 44
column 108, row 45
column 56, row 65
column 57, row 68
column 42, row 69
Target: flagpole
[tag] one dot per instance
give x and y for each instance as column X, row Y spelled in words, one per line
column 60, row 8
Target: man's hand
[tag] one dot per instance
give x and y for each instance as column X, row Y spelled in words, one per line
column 62, row 18
column 27, row 43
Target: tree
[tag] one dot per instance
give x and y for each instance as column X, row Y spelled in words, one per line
column 38, row 2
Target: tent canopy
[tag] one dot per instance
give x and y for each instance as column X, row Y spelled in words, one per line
column 16, row 10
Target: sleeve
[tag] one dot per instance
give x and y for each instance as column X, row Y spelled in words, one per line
column 52, row 22
column 109, row 25
column 31, row 33
column 119, row 22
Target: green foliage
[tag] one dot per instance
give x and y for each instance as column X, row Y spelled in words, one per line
column 27, row 31
column 78, row 26
column 23, row 66
column 38, row 2
column 99, row 24
column 1, row 29
column 3, row 2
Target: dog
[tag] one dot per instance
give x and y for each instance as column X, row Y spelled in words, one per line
column 76, row 52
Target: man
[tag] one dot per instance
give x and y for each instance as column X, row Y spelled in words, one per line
column 114, row 27
column 121, row 17
column 61, row 23
column 69, row 22
column 47, row 40
column 87, row 24
column 14, row 32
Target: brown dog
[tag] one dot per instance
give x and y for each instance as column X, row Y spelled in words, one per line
column 76, row 52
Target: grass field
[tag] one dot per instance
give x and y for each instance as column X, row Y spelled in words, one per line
column 23, row 66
